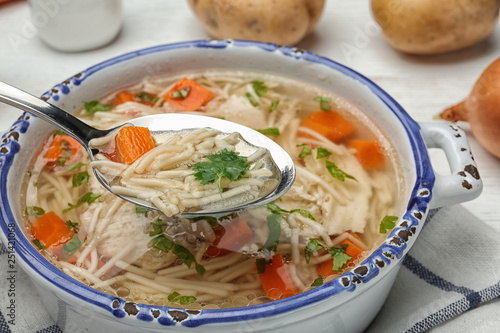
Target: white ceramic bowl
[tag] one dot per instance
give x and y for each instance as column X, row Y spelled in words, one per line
column 333, row 307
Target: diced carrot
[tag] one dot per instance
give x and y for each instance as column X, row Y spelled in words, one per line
column 132, row 142
column 51, row 230
column 124, row 97
column 329, row 124
column 276, row 279
column 324, row 269
column 63, row 149
column 195, row 95
column 230, row 238
column 369, row 153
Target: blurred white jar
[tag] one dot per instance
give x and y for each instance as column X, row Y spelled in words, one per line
column 76, row 25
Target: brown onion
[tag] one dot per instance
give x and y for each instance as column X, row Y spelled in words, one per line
column 481, row 109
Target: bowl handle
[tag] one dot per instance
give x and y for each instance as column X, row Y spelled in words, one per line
column 464, row 182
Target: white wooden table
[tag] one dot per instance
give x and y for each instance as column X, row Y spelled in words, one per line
column 424, row 86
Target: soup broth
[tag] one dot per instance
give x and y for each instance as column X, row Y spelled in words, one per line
column 348, row 182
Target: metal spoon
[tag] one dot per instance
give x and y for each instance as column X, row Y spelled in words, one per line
column 158, row 124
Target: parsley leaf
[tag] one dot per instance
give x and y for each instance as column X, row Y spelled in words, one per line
column 317, row 282
column 34, row 211
column 95, row 106
column 313, row 246
column 272, row 131
column 74, row 166
column 145, row 97
column 88, row 197
column 260, row 88
column 70, row 247
column 176, row 297
column 141, row 209
column 322, row 153
column 340, row 257
column 336, row 172
column 80, row 178
column 305, row 150
column 39, row 244
column 251, row 99
column 183, row 93
column 324, row 103
column 387, row 223
column 224, row 163
column 162, row 243
column 261, row 265
column 274, row 105
column 72, row 225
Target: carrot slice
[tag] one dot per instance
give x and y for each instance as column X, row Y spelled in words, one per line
column 132, row 142
column 329, row 124
column 51, row 230
column 188, row 95
column 62, row 150
column 230, row 238
column 124, row 97
column 276, row 279
column 324, row 269
column 369, row 153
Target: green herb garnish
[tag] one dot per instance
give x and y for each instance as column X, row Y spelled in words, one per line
column 176, row 297
column 88, row 197
column 313, row 246
column 261, row 265
column 96, row 106
column 322, row 153
column 324, row 103
column 162, row 243
column 224, row 163
column 183, row 93
column 141, row 209
column 34, row 211
column 387, row 223
column 74, row 166
column 39, row 244
column 70, row 247
column 251, row 99
column 340, row 258
column 146, row 98
column 260, row 88
column 318, row 282
column 336, row 172
column 274, row 105
column 80, row 178
column 72, row 225
column 272, row 131
column 305, row 150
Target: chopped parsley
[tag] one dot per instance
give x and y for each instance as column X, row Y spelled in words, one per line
column 141, row 209
column 224, row 163
column 336, row 172
column 183, row 93
column 324, row 103
column 305, row 150
column 88, row 197
column 251, row 99
column 80, row 178
column 260, row 88
column 322, row 153
column 272, row 131
column 96, row 106
column 70, row 247
column 313, row 246
column 72, row 225
column 39, row 244
column 317, row 282
column 387, row 223
column 162, row 243
column 176, row 297
column 34, row 211
column 274, row 105
column 74, row 166
column 340, row 258
column 144, row 97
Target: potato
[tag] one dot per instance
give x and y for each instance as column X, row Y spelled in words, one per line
column 435, row 26
column 283, row 22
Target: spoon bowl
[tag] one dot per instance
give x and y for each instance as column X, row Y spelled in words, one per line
column 281, row 164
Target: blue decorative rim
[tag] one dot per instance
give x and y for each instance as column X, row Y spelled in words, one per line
column 395, row 246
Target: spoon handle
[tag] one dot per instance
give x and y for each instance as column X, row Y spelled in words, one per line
column 50, row 113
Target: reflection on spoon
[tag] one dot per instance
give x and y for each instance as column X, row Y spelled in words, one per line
column 170, row 130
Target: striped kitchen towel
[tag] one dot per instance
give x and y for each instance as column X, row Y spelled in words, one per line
column 449, row 282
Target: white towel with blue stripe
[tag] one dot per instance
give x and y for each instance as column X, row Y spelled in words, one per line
column 449, row 282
